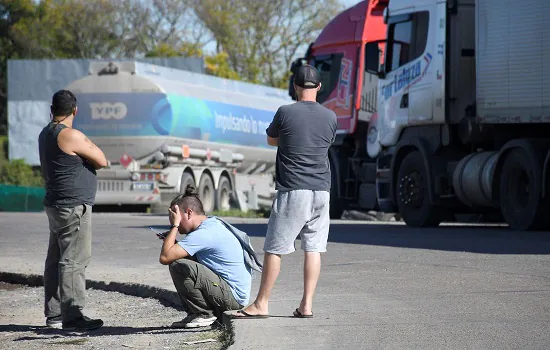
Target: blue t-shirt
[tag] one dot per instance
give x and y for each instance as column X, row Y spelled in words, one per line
column 214, row 246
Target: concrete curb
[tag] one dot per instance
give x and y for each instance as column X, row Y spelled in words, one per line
column 166, row 297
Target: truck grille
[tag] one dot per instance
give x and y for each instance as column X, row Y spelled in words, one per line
column 110, row 186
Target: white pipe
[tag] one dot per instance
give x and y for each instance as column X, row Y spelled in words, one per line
column 197, row 153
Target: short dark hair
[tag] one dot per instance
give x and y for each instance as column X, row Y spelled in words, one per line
column 63, row 103
column 189, row 200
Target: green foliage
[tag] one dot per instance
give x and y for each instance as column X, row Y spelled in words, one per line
column 261, row 38
column 3, row 150
column 240, row 214
column 166, row 50
column 18, row 173
column 217, row 65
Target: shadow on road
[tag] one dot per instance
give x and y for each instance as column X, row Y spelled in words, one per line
column 474, row 239
column 43, row 331
column 488, row 240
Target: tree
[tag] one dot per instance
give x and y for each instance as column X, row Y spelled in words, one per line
column 261, row 38
column 101, row 28
column 90, row 29
column 217, row 64
column 185, row 50
column 69, row 29
column 11, row 12
column 160, row 23
column 18, row 173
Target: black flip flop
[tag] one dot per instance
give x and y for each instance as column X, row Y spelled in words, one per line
column 248, row 316
column 301, row 315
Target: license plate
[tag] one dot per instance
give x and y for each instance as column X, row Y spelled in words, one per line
column 143, row 186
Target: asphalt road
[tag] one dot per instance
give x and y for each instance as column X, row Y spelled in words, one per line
column 383, row 286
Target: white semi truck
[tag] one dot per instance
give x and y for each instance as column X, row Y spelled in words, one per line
column 163, row 129
column 443, row 107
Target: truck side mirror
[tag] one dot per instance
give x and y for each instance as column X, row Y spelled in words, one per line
column 372, row 58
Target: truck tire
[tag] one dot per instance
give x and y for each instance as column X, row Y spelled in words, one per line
column 223, row 194
column 186, row 179
column 207, row 194
column 521, row 202
column 412, row 195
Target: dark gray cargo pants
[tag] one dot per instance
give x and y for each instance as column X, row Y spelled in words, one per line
column 69, row 253
column 202, row 292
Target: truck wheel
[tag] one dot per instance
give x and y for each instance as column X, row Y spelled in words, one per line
column 521, row 203
column 412, row 196
column 186, row 179
column 207, row 194
column 223, row 194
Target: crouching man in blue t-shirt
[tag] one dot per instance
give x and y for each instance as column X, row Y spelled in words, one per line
column 208, row 266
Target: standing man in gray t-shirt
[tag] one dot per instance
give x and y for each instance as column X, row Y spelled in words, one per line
column 303, row 132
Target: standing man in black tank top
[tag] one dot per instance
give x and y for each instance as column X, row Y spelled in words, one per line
column 69, row 161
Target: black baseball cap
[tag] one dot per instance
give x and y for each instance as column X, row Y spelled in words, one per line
column 307, row 77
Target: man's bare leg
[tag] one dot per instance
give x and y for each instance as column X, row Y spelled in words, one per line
column 312, row 270
column 270, row 272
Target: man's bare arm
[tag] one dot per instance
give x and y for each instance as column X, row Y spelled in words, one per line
column 171, row 251
column 273, row 141
column 75, row 141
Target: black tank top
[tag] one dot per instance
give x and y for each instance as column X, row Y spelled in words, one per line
column 70, row 179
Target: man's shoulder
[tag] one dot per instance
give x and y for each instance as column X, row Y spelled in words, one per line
column 212, row 224
column 297, row 106
column 326, row 110
column 72, row 134
column 220, row 224
column 287, row 108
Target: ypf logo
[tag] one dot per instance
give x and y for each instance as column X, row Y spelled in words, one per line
column 106, row 110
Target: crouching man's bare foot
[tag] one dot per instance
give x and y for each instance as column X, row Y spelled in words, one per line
column 252, row 311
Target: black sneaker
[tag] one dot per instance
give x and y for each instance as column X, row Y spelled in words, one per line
column 82, row 324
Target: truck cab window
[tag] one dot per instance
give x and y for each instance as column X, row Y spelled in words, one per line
column 407, row 40
column 328, row 67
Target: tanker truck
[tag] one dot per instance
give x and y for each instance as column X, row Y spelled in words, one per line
column 443, row 108
column 163, row 129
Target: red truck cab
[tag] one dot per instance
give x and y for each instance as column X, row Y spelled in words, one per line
column 348, row 90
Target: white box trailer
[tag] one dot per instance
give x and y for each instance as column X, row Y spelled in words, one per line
column 513, row 61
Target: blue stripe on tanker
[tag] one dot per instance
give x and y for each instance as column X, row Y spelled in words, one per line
column 158, row 114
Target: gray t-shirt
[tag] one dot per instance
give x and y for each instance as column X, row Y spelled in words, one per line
column 305, row 131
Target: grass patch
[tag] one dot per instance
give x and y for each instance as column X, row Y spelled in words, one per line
column 240, row 214
column 198, row 336
column 79, row 341
column 3, row 149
